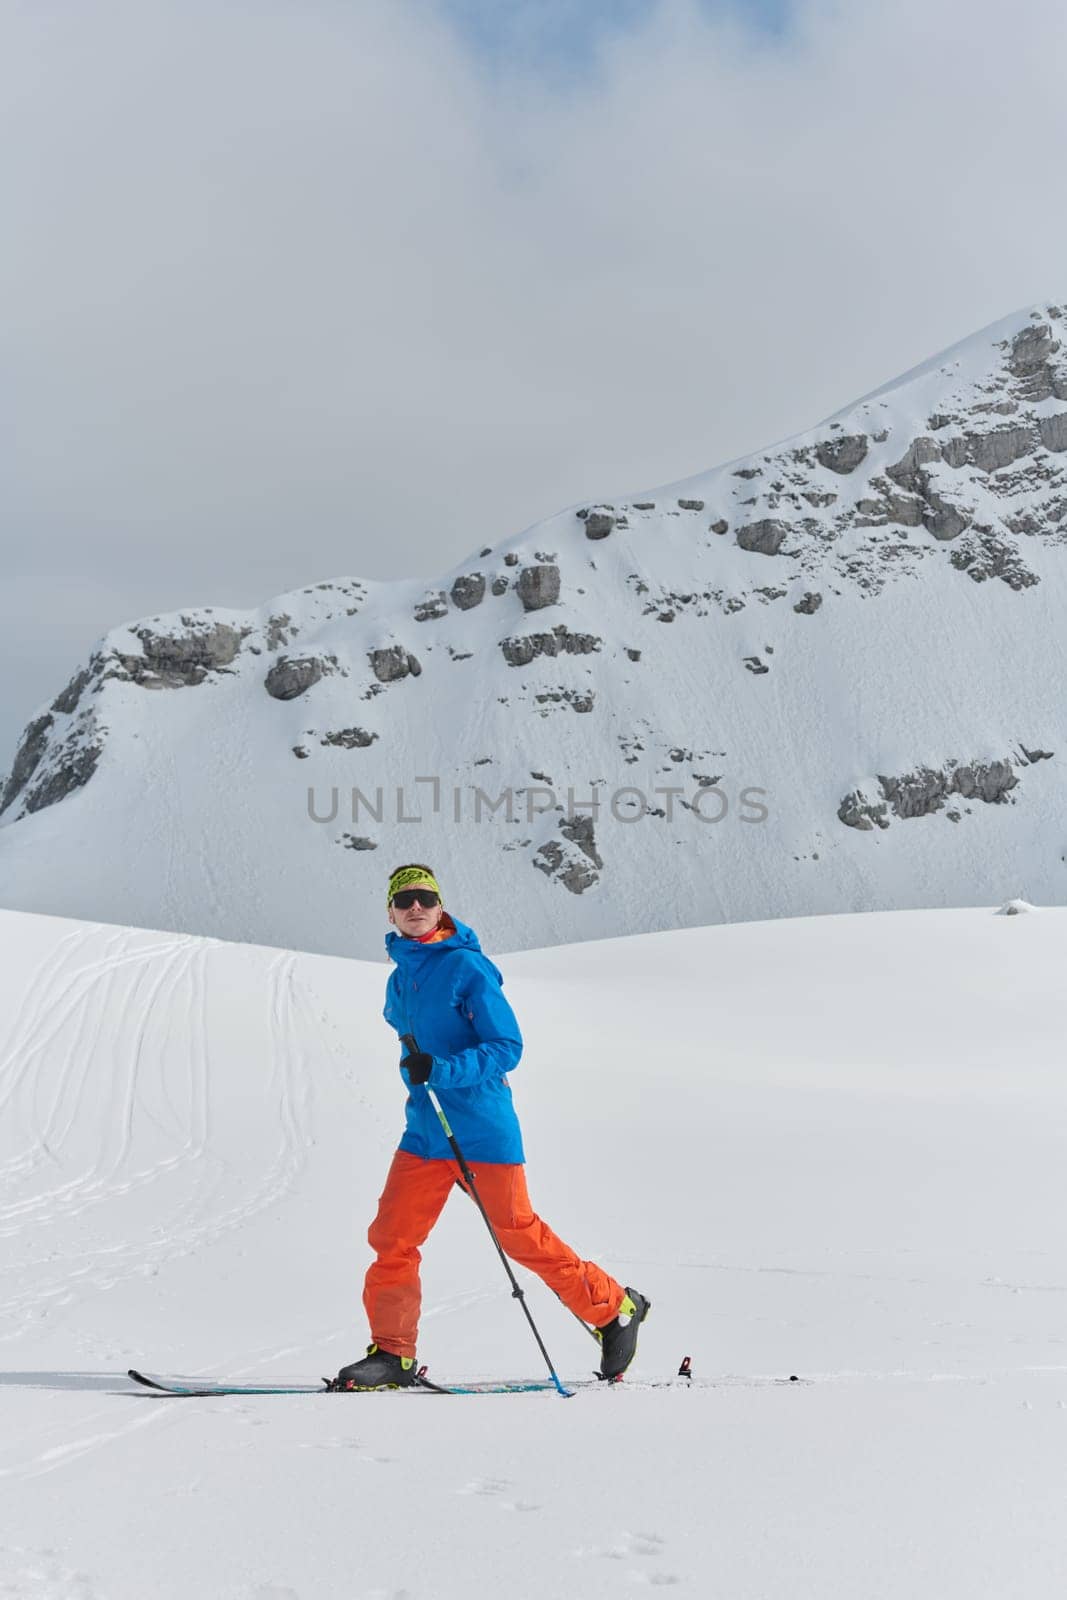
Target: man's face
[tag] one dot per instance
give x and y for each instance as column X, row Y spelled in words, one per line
column 416, row 920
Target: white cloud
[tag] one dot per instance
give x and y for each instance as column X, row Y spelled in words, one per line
column 303, row 290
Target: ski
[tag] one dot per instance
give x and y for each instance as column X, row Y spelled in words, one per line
column 210, row 1386
column 207, row 1388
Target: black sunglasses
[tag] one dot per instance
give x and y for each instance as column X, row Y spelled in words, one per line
column 407, row 898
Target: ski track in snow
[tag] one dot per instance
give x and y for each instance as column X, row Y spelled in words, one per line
column 65, row 1015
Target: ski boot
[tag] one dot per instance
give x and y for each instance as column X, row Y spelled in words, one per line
column 619, row 1337
column 379, row 1369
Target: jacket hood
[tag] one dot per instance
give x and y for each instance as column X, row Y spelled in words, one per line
column 401, row 949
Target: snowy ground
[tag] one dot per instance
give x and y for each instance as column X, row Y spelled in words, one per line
column 830, row 1147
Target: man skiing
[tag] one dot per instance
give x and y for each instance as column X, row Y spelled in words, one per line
column 447, row 994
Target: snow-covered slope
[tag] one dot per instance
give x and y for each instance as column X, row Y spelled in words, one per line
column 832, row 1147
column 824, row 678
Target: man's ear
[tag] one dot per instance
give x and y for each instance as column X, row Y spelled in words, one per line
column 392, row 919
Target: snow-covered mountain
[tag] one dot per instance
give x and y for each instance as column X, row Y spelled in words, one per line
column 825, row 677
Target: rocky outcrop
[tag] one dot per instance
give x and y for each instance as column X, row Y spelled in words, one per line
column 180, row 660
column 917, row 794
column 908, row 471
column 67, row 700
column 856, row 811
column 468, row 591
column 598, row 522
column 765, row 538
column 433, row 607
column 573, row 859
column 925, row 790
column 577, row 699
column 280, row 630
column 70, row 767
column 989, row 452
column 808, row 604
column 32, row 746
column 521, row 650
column 982, row 556
column 349, row 739
column 843, row 454
column 538, row 586
column 392, row 663
column 1053, row 431
column 291, row 677
column 47, row 768
column 941, row 518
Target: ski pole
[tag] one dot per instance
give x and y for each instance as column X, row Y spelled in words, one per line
column 410, row 1044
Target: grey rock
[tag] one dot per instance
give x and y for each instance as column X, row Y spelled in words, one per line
column 579, row 830
column 432, row 608
column 904, row 509
column 944, row 520
column 571, row 868
column 577, row 699
column 520, row 650
column 808, row 604
column 691, row 505
column 644, row 505
column 181, row 660
column 499, row 586
column 765, row 538
column 289, row 678
column 538, row 586
column 349, row 739
column 1053, row 431
column 721, row 526
column 856, row 811
column 280, row 630
column 907, row 472
column 355, row 841
column 983, row 556
column 989, row 783
column 511, row 559
column 1031, row 349
column 598, row 524
column 819, row 497
column 31, row 748
column 991, row 451
column 72, row 769
column 391, row 663
column 924, row 791
column 843, row 454
column 67, row 700
column 468, row 590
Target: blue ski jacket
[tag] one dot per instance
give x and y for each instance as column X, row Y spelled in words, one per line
column 450, row 996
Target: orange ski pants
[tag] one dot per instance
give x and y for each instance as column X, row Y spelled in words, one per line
column 412, row 1200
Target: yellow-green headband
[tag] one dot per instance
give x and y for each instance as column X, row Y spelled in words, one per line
column 412, row 878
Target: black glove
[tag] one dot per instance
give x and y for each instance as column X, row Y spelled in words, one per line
column 417, row 1066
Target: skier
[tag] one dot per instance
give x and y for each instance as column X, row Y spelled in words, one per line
column 448, row 995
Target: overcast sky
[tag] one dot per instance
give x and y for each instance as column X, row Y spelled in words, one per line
column 292, row 289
